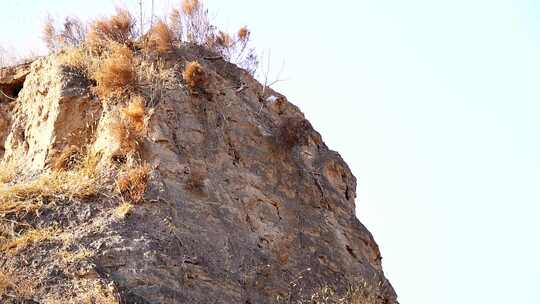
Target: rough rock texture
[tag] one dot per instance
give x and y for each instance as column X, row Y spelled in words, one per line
column 11, row 81
column 246, row 204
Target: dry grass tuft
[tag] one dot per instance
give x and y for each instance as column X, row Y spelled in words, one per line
column 126, row 136
column 8, row 170
column 194, row 75
column 71, row 257
column 115, row 75
column 66, row 184
column 243, row 33
column 119, row 28
column 155, row 78
column 135, row 113
column 161, row 38
column 358, row 292
column 132, row 183
column 189, row 7
column 130, row 126
column 223, row 40
column 67, row 160
column 28, row 238
column 29, row 196
column 79, row 58
column 6, row 283
column 123, row 210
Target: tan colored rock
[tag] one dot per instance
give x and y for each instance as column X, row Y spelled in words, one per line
column 53, row 110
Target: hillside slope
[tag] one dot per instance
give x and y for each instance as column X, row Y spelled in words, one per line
column 217, row 191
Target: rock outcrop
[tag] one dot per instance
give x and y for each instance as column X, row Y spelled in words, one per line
column 244, row 202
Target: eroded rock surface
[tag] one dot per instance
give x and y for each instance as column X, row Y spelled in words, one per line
column 246, row 204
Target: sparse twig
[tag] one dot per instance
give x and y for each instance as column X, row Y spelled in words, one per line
column 6, row 96
column 267, row 85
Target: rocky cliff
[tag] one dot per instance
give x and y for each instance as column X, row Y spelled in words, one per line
column 214, row 192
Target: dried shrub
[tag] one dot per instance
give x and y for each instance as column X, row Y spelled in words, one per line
column 115, row 75
column 127, row 138
column 72, row 33
column 67, row 160
column 235, row 48
column 135, row 113
column 175, row 24
column 66, row 184
column 49, row 35
column 194, row 75
column 119, row 28
column 161, row 37
column 132, row 183
column 79, row 58
column 28, row 196
column 191, row 23
column 190, row 7
column 154, row 78
column 130, row 126
column 28, row 238
column 358, row 291
column 243, row 33
column 293, row 132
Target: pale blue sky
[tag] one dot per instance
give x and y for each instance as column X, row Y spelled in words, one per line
column 435, row 105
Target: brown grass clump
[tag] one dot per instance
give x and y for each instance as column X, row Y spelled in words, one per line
column 190, row 6
column 126, row 136
column 130, row 126
column 161, row 37
column 194, row 75
column 29, row 196
column 67, row 160
column 66, row 184
column 136, row 112
column 28, row 238
column 132, row 183
column 119, row 28
column 243, row 33
column 223, row 40
column 155, row 78
column 115, row 74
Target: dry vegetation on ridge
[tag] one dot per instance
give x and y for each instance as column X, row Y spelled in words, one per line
column 129, row 72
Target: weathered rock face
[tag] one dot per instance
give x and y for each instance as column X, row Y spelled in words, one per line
column 11, row 81
column 245, row 204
